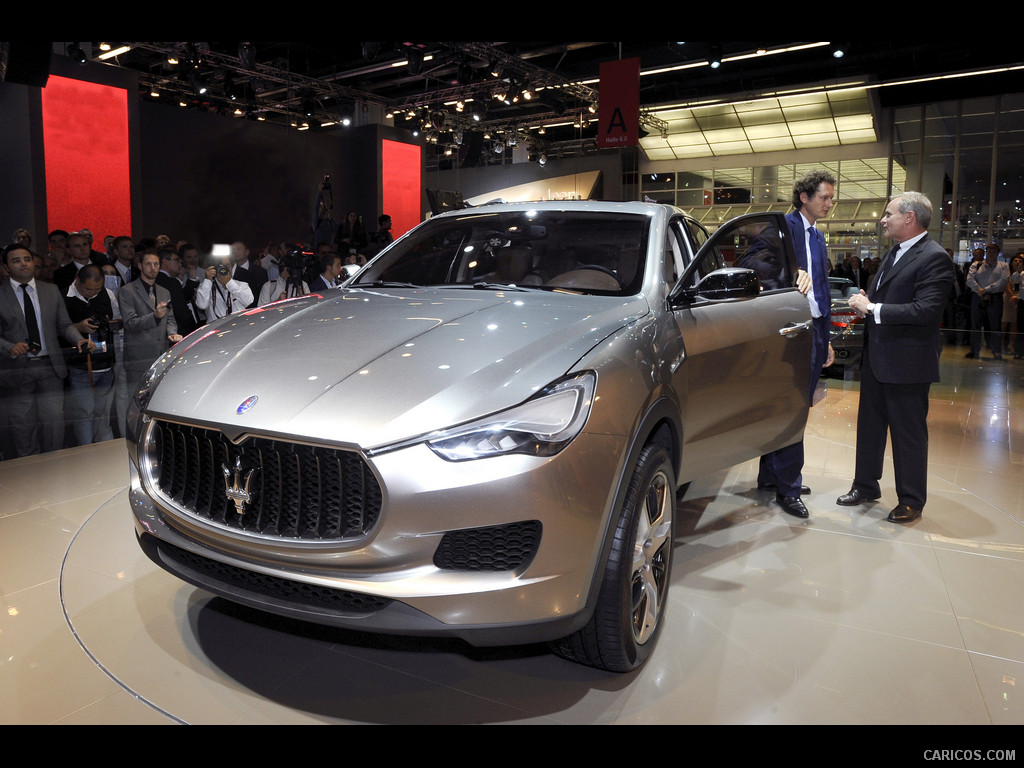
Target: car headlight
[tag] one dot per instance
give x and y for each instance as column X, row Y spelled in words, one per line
column 141, row 396
column 542, row 426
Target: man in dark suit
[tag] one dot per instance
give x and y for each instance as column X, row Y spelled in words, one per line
column 330, row 268
column 248, row 270
column 812, row 198
column 169, row 277
column 33, row 317
column 857, row 273
column 124, row 259
column 903, row 314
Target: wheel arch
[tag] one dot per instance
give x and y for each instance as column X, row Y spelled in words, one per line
column 661, row 425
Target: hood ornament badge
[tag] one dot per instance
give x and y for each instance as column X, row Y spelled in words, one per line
column 238, row 491
column 246, row 404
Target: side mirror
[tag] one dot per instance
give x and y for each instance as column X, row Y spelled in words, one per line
column 727, row 284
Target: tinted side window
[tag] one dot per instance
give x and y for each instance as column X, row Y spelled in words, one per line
column 756, row 243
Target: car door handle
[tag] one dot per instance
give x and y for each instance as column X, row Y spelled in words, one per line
column 793, row 328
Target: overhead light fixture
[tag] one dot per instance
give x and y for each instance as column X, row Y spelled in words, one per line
column 715, row 56
column 371, row 50
column 230, row 91
column 415, row 58
column 197, row 83
column 247, row 54
column 76, row 53
column 110, row 52
column 839, row 49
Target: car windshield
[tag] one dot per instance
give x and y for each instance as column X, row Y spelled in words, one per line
column 586, row 252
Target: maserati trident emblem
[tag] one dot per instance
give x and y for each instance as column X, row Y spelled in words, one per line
column 246, row 404
column 238, row 490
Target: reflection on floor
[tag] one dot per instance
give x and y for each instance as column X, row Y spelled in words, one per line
column 843, row 618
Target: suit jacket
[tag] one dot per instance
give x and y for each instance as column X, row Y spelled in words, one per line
column 820, row 268
column 904, row 348
column 145, row 338
column 254, row 275
column 55, row 323
column 319, row 284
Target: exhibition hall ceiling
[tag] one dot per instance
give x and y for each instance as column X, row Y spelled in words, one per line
column 451, row 88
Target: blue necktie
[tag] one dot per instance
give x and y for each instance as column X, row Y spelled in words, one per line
column 819, row 277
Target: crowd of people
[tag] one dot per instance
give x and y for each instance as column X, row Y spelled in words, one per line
column 79, row 326
column 982, row 312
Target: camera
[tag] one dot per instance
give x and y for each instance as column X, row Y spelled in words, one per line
column 223, row 269
column 297, row 260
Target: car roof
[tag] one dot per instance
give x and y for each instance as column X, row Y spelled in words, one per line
column 600, row 206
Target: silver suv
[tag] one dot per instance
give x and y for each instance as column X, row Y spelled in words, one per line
column 483, row 433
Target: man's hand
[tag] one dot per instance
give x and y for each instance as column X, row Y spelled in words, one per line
column 831, row 357
column 87, row 326
column 161, row 310
column 19, row 349
column 803, row 282
column 174, row 338
column 87, row 343
column 859, row 303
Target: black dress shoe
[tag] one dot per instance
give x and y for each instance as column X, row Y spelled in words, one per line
column 904, row 514
column 855, row 496
column 804, row 490
column 792, row 505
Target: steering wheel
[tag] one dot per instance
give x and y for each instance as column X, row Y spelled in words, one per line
column 600, row 268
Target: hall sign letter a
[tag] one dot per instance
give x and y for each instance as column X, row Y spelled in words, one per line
column 619, row 108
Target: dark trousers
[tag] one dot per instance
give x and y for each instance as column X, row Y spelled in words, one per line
column 899, row 410
column 987, row 322
column 35, row 411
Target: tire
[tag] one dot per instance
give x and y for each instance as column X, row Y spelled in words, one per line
column 630, row 610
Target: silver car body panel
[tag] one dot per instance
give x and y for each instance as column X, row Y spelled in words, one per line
column 373, row 370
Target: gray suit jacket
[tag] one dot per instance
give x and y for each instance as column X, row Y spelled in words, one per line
column 55, row 323
column 145, row 338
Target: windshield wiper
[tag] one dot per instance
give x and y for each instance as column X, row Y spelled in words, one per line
column 504, row 287
column 384, row 284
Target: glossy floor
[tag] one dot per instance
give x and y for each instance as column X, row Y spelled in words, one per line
column 843, row 618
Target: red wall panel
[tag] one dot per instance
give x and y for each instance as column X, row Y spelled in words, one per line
column 88, row 180
column 401, row 180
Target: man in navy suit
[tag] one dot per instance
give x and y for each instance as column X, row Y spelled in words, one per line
column 903, row 314
column 812, row 198
column 33, row 318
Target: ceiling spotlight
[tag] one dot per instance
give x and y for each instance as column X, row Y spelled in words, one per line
column 715, row 56
column 371, row 50
column 415, row 58
column 247, row 53
column 76, row 53
column 839, row 49
column 197, row 84
column 229, row 87
column 308, row 106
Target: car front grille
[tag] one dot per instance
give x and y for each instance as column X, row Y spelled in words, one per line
column 270, row 487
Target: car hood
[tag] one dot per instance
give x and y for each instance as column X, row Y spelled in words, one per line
column 366, row 368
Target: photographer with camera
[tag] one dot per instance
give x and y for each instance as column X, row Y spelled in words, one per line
column 219, row 294
column 94, row 310
column 289, row 283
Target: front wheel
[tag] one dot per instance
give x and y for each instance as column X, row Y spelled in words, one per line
column 630, row 610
